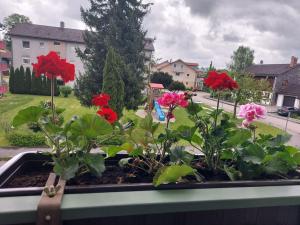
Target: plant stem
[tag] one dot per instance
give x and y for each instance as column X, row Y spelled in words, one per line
column 218, row 104
column 52, row 98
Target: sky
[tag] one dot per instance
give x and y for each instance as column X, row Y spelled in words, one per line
column 194, row 30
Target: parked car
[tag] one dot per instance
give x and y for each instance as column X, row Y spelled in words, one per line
column 284, row 111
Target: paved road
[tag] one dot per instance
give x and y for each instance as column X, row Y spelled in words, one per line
column 292, row 128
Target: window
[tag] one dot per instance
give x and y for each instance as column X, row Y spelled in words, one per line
column 42, row 44
column 188, row 75
column 174, row 64
column 181, row 66
column 186, row 83
column 26, row 60
column 177, row 73
column 56, row 43
column 26, row 44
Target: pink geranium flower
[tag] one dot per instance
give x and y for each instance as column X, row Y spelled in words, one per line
column 173, row 100
column 250, row 112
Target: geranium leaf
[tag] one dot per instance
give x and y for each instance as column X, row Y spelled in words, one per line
column 90, row 126
column 30, row 114
column 238, row 137
column 95, row 163
column 171, row 174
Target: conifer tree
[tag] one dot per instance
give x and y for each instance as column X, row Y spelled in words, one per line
column 16, row 81
column 27, row 84
column 20, row 81
column 117, row 24
column 112, row 81
column 35, row 84
column 11, row 80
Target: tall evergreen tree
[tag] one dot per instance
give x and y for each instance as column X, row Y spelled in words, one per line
column 112, row 80
column 27, row 84
column 35, row 85
column 117, row 24
column 17, row 80
column 20, row 81
column 11, row 80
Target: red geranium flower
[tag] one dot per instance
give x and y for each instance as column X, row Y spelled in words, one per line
column 101, row 100
column 53, row 66
column 108, row 114
column 220, row 81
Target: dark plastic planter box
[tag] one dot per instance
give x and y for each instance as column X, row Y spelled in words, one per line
column 232, row 203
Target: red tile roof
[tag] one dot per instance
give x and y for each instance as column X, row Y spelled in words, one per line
column 156, row 86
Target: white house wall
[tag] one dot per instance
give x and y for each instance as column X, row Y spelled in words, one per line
column 66, row 50
column 279, row 100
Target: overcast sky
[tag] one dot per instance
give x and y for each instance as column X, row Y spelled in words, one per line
column 195, row 30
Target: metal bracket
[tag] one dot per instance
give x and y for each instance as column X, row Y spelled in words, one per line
column 48, row 209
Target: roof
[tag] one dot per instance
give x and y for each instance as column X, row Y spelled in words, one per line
column 193, row 66
column 291, row 80
column 156, row 86
column 47, row 32
column 58, row 34
column 268, row 69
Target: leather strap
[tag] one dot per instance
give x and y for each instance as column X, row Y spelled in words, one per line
column 48, row 209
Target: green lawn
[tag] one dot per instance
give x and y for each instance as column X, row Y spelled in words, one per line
column 11, row 104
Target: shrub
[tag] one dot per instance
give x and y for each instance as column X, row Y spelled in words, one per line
column 162, row 78
column 177, row 86
column 65, row 90
column 25, row 139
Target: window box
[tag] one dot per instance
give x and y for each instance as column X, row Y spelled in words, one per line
column 234, row 203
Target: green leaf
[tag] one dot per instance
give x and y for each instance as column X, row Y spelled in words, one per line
column 90, row 126
column 136, row 152
column 227, row 154
column 194, row 108
column 146, row 123
column 171, row 174
column 291, row 150
column 186, row 132
column 30, row 114
column 180, row 155
column 232, row 173
column 238, row 137
column 128, row 147
column 68, row 169
column 253, row 153
column 197, row 139
column 280, row 162
column 296, row 157
column 112, row 151
column 95, row 163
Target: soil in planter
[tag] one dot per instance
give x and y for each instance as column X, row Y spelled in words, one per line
column 37, row 177
column 35, row 174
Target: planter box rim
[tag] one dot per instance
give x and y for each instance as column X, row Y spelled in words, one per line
column 110, row 204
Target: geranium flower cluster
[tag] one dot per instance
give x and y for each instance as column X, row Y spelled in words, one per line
column 104, row 111
column 220, row 81
column 52, row 66
column 172, row 100
column 250, row 112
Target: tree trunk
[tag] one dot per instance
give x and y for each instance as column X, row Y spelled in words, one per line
column 234, row 109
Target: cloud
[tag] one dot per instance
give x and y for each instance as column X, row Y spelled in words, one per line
column 194, row 30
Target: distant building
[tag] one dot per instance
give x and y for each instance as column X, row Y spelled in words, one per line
column 187, row 73
column 5, row 59
column 32, row 40
column 284, row 79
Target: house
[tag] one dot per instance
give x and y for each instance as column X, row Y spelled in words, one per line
column 284, row 79
column 32, row 40
column 5, row 58
column 187, row 73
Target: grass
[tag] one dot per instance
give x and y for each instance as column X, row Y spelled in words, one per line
column 11, row 104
